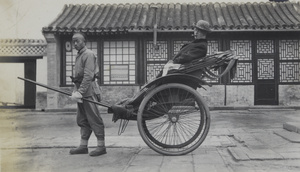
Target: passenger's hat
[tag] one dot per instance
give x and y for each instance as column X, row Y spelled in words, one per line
column 203, row 25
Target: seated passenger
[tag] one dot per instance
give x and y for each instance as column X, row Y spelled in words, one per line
column 191, row 51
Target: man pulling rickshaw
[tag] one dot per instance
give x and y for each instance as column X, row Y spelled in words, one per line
column 172, row 117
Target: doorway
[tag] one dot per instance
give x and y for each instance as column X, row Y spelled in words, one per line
column 266, row 87
column 15, row 93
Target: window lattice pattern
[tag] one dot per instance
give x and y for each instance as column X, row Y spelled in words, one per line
column 289, row 50
column 212, row 47
column 71, row 57
column 178, row 45
column 265, row 46
column 157, row 55
column 265, row 69
column 22, row 50
column 153, row 70
column 214, row 80
column 243, row 74
column 242, row 49
column 119, row 55
column 289, row 71
column 156, row 59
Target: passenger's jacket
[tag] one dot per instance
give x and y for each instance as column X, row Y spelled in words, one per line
column 191, row 51
column 86, row 68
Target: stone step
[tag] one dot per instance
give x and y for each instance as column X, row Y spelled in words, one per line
column 292, row 126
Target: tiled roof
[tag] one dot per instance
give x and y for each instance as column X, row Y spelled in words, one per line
column 178, row 17
column 22, row 47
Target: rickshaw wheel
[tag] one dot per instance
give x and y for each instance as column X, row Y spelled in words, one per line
column 173, row 119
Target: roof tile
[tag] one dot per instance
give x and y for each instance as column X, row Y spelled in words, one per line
column 163, row 16
column 198, row 12
column 228, row 20
column 180, row 16
column 219, row 14
column 136, row 16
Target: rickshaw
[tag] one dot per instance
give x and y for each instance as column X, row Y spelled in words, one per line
column 172, row 117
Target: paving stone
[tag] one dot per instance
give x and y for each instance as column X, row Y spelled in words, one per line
column 270, row 139
column 245, row 154
column 220, row 132
column 290, row 136
column 291, row 155
column 211, row 168
column 148, row 151
column 176, row 167
column 142, row 168
column 142, row 160
column 210, row 157
column 263, row 154
column 254, row 143
column 288, row 148
column 178, row 159
column 292, row 126
column 219, row 141
column 238, row 154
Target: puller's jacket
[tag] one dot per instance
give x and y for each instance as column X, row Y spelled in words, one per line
column 191, row 51
column 86, row 68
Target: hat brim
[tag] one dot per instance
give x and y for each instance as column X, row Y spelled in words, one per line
column 205, row 29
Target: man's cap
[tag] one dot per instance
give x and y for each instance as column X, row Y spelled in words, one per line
column 79, row 35
column 203, row 25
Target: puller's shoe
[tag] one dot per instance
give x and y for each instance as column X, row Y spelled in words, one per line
column 79, row 150
column 98, row 151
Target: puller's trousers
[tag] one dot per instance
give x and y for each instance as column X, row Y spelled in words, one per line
column 89, row 119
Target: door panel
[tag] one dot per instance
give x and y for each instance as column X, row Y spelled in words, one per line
column 266, row 91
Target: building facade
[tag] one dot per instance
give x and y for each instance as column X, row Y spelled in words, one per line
column 131, row 50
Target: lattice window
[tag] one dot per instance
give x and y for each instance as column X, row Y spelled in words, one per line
column 70, row 58
column 242, row 49
column 289, row 50
column 289, row 71
column 243, row 74
column 289, row 61
column 265, row 68
column 156, row 59
column 216, row 72
column 178, row 45
column 119, row 64
column 265, row 46
column 153, row 70
column 157, row 55
column 212, row 47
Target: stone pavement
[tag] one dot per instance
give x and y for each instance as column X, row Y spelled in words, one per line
column 239, row 140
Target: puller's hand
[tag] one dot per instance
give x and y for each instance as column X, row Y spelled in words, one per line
column 76, row 96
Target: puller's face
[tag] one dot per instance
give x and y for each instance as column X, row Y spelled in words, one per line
column 78, row 43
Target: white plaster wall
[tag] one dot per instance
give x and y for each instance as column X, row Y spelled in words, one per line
column 240, row 95
column 213, row 96
column 11, row 88
column 41, row 73
column 289, row 95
